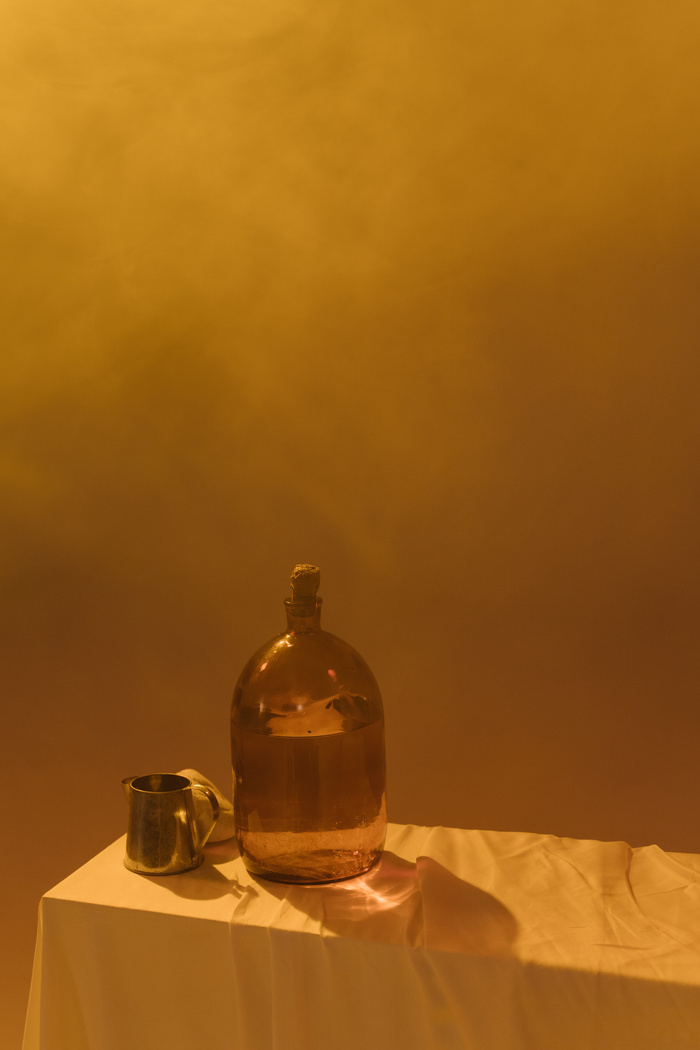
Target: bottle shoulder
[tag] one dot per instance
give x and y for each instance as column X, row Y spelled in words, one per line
column 295, row 670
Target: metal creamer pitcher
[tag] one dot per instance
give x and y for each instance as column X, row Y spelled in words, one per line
column 164, row 835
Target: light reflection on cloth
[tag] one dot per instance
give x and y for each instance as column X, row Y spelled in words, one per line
column 420, row 905
column 595, row 906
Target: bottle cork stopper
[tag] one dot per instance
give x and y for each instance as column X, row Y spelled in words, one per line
column 305, row 582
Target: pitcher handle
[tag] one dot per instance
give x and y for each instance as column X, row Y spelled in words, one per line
column 213, row 802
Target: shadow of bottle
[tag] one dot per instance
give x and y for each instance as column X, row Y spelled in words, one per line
column 421, row 905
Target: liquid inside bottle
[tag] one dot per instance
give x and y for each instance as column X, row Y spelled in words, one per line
column 307, row 743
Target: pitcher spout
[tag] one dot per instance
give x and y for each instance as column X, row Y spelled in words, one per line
column 126, row 784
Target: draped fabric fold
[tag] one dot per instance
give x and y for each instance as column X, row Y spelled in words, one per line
column 472, row 940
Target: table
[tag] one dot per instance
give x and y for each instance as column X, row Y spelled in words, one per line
column 458, row 940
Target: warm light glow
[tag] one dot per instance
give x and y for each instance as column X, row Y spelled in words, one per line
column 413, row 291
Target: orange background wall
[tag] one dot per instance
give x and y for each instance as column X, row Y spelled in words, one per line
column 410, row 291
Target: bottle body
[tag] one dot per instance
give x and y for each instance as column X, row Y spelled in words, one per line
column 307, row 745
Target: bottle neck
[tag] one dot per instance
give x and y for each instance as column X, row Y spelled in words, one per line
column 303, row 615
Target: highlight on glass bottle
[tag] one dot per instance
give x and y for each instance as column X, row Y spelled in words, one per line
column 307, row 745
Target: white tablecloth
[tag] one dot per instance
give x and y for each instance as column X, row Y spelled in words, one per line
column 457, row 940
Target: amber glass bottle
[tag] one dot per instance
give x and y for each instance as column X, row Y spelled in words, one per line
column 307, row 745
